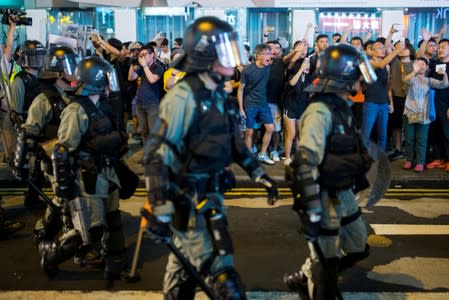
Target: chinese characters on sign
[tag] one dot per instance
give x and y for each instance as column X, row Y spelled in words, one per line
column 361, row 23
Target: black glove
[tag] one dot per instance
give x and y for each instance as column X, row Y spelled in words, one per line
column 158, row 226
column 310, row 225
column 271, row 187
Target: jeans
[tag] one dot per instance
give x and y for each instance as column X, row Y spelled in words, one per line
column 146, row 115
column 374, row 113
column 416, row 141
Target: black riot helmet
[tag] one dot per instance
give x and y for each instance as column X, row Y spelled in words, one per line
column 31, row 54
column 340, row 67
column 59, row 59
column 209, row 39
column 93, row 74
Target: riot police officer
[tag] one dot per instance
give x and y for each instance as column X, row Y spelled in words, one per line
column 25, row 87
column 41, row 127
column 197, row 136
column 84, row 164
column 329, row 162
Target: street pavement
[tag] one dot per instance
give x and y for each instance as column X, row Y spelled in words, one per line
column 404, row 264
column 409, row 239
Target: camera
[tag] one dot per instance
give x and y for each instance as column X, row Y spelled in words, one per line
column 11, row 13
column 134, row 60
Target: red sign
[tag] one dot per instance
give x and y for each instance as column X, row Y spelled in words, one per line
column 361, row 23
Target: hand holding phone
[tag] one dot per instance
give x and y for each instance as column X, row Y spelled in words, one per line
column 440, row 68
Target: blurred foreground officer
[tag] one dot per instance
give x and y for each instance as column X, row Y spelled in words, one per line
column 329, row 162
column 196, row 138
column 84, row 165
column 41, row 127
column 24, row 89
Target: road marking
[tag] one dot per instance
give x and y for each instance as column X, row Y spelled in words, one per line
column 153, row 295
column 410, row 229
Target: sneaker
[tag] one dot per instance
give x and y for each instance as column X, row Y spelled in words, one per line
column 263, row 157
column 407, row 165
column 419, row 168
column 287, row 161
column 396, row 155
column 436, row 164
column 275, row 156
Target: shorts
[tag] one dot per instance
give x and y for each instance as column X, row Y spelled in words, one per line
column 276, row 116
column 260, row 113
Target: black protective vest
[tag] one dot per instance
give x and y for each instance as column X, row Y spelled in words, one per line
column 102, row 137
column 345, row 160
column 209, row 140
column 50, row 130
column 32, row 88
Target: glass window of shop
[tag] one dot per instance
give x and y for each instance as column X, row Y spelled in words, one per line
column 172, row 22
column 362, row 22
column 70, row 21
column 275, row 20
column 431, row 18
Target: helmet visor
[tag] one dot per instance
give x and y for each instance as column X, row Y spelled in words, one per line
column 113, row 80
column 66, row 63
column 366, row 69
column 230, row 51
column 33, row 61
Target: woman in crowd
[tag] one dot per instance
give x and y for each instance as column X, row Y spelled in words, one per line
column 416, row 112
column 296, row 98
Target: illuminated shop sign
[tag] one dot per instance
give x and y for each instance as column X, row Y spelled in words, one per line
column 359, row 22
column 441, row 12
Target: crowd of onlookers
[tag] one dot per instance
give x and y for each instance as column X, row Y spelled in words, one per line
column 405, row 111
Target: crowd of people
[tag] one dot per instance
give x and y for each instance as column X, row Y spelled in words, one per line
column 196, row 108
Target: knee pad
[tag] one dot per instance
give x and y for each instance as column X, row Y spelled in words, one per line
column 227, row 285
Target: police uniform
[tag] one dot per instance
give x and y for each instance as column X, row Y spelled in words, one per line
column 89, row 136
column 197, row 136
column 329, row 164
column 42, row 123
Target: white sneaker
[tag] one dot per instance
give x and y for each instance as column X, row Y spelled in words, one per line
column 275, row 156
column 287, row 161
column 263, row 157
